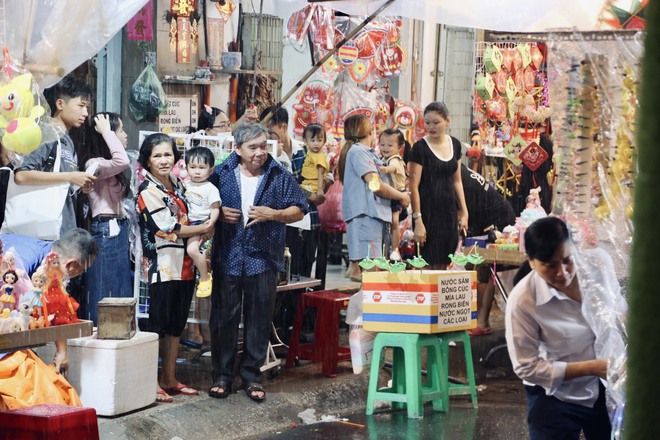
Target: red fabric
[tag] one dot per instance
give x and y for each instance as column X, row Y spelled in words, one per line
column 330, row 213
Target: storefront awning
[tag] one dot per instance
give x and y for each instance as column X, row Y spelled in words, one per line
column 501, row 15
column 57, row 36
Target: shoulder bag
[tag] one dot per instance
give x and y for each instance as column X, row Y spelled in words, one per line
column 36, row 210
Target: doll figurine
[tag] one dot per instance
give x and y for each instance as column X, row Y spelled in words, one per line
column 38, row 280
column 56, row 301
column 24, row 309
column 7, row 262
column 7, row 291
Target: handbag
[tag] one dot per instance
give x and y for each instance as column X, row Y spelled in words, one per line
column 35, row 210
column 330, row 213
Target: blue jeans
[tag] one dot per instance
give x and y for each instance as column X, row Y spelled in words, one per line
column 257, row 295
column 110, row 274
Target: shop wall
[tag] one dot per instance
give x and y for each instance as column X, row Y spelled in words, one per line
column 134, row 61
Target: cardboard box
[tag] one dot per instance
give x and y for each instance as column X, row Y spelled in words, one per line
column 419, row 301
column 114, row 376
column 117, row 319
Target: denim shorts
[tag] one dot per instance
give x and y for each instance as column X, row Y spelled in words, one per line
column 365, row 236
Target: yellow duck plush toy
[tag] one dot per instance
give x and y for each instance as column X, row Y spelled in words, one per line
column 18, row 115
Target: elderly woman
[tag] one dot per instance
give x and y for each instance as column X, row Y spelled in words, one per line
column 164, row 226
column 259, row 197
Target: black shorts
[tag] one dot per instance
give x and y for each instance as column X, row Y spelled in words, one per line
column 396, row 205
column 169, row 305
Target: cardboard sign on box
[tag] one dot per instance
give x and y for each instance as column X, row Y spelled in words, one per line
column 419, row 301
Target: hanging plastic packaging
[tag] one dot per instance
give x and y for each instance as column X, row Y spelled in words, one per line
column 147, row 98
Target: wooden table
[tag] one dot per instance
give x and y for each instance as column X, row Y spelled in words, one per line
column 503, row 257
column 40, row 336
column 506, row 257
column 299, row 282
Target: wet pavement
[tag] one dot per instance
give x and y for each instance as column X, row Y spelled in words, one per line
column 290, row 391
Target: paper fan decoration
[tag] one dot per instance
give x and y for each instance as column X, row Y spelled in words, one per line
column 619, row 18
column 348, row 53
column 360, row 69
column 369, row 41
column 533, row 156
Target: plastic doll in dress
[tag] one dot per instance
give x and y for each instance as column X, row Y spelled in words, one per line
column 56, row 301
column 8, row 296
column 38, row 280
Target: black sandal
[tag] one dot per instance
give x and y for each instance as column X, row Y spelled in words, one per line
column 226, row 389
column 255, row 388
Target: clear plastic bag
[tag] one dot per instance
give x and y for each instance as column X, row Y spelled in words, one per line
column 147, row 98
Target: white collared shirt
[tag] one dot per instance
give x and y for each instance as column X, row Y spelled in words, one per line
column 545, row 330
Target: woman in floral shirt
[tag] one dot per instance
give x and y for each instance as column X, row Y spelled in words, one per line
column 163, row 217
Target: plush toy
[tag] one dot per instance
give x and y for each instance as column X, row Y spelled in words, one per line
column 18, row 115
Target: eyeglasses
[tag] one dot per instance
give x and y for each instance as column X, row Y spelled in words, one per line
column 223, row 124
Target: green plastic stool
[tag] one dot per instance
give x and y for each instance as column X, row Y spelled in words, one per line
column 407, row 389
column 459, row 389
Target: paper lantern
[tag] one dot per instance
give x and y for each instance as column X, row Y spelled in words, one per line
column 485, row 86
column 528, row 78
column 537, row 57
column 500, row 78
column 514, row 148
column 492, row 59
column 510, row 90
column 507, row 59
column 525, row 54
column 533, row 156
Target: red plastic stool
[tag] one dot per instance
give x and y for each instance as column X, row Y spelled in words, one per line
column 49, row 422
column 325, row 347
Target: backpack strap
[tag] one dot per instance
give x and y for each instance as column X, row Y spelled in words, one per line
column 52, row 156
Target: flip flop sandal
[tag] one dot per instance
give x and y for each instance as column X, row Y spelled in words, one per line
column 255, row 388
column 182, row 389
column 478, row 331
column 163, row 397
column 226, row 389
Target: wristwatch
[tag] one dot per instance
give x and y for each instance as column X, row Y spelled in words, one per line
column 416, row 215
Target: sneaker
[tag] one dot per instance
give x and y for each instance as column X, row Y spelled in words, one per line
column 395, row 255
column 204, row 288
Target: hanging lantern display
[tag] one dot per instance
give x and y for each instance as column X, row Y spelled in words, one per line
column 183, row 17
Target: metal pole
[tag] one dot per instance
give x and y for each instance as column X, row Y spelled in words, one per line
column 256, row 52
column 325, row 58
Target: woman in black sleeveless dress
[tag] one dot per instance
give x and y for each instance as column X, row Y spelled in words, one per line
column 437, row 198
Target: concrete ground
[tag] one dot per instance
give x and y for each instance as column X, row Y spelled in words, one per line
column 501, row 412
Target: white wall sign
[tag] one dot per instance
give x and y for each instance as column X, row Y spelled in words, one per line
column 181, row 113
